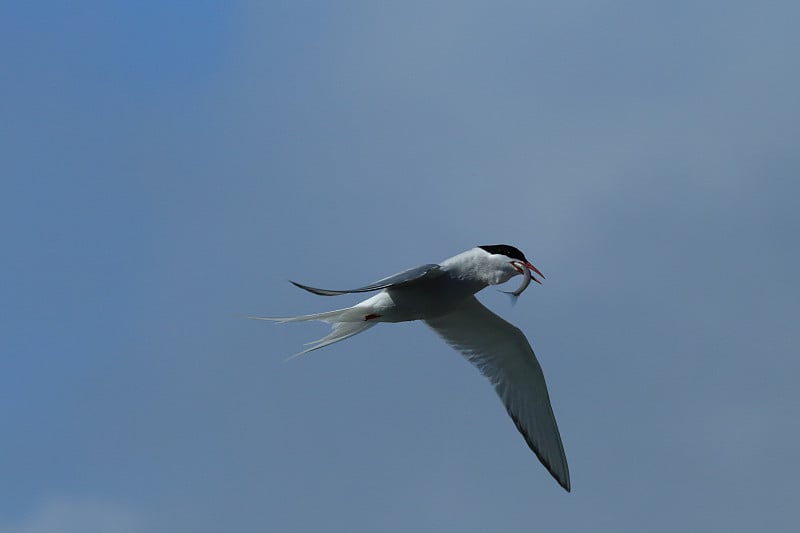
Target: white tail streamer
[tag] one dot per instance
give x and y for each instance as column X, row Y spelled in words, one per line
column 345, row 323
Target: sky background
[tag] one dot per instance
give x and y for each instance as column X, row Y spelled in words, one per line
column 167, row 166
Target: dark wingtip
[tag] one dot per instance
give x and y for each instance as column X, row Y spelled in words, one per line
column 299, row 285
column 312, row 290
column 304, row 287
column 565, row 483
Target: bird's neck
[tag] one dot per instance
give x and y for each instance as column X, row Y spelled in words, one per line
column 473, row 266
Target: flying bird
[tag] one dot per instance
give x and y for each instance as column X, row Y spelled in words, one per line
column 443, row 296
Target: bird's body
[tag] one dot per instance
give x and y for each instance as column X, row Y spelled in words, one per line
column 438, row 293
column 442, row 295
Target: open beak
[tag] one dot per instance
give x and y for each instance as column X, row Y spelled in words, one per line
column 532, row 269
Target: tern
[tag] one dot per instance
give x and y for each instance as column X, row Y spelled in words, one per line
column 443, row 296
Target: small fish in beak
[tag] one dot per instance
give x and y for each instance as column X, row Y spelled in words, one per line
column 527, row 277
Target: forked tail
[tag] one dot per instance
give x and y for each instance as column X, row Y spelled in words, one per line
column 344, row 322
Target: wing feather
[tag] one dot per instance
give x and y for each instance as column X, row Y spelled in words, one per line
column 503, row 354
column 407, row 276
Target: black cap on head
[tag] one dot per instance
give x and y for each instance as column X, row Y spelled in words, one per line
column 506, row 250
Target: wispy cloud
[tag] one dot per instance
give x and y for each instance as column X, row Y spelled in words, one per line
column 78, row 515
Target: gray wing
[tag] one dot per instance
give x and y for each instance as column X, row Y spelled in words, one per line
column 502, row 354
column 407, row 276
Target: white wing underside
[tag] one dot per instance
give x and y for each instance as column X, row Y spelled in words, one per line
column 502, row 354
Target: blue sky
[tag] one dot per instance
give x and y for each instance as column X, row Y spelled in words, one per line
column 168, row 167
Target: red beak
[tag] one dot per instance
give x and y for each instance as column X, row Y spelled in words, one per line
column 534, row 269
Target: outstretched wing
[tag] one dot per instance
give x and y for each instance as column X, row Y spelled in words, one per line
column 502, row 353
column 407, row 276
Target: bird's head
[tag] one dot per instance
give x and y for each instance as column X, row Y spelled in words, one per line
column 506, row 262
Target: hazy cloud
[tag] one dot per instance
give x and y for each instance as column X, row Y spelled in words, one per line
column 78, row 515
